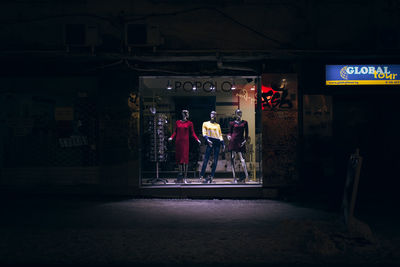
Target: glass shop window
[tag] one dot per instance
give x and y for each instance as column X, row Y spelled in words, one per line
column 200, row 131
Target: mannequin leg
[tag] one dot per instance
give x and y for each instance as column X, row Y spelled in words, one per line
column 233, row 156
column 205, row 161
column 180, row 173
column 243, row 165
column 216, row 148
column 185, row 169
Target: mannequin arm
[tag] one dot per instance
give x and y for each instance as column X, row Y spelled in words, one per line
column 246, row 131
column 208, row 141
column 172, row 137
column 204, row 131
column 242, row 144
column 174, row 134
column 193, row 133
column 230, row 131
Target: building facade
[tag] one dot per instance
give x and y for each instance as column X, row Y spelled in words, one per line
column 80, row 80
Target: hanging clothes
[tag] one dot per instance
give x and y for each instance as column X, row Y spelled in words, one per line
column 156, row 132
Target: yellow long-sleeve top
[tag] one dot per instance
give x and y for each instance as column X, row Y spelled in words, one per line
column 212, row 130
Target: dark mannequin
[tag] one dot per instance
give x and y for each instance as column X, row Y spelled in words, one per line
column 183, row 164
column 237, row 142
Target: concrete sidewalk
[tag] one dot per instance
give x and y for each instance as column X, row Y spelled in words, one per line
column 62, row 231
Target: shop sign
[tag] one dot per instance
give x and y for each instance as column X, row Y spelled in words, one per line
column 206, row 86
column 362, row 74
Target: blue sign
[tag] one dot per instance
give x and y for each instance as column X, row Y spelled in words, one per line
column 362, row 74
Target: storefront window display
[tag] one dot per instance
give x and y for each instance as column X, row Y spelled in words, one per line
column 200, row 131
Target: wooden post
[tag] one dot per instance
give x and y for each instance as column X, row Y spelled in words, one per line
column 355, row 183
column 351, row 186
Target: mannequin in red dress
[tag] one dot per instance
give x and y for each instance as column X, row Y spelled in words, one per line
column 183, row 128
column 238, row 134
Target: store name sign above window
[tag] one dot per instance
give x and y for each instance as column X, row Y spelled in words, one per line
column 206, row 86
column 362, row 74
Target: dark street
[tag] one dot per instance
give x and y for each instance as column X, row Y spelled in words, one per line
column 71, row 230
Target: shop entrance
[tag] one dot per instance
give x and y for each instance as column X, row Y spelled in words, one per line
column 211, row 158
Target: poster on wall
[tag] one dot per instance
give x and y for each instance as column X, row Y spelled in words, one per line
column 64, row 113
column 317, row 130
column 317, row 115
column 134, row 121
column 280, row 128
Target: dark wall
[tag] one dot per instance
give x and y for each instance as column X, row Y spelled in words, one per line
column 367, row 120
column 216, row 25
column 35, row 133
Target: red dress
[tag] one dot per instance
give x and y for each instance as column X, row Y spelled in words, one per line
column 182, row 130
column 238, row 132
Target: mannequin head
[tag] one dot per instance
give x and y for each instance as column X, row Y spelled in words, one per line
column 238, row 114
column 185, row 114
column 213, row 115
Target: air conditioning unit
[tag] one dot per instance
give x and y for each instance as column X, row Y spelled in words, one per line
column 142, row 35
column 80, row 34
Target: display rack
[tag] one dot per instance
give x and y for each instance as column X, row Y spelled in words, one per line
column 158, row 144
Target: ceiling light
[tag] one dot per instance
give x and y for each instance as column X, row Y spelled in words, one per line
column 212, row 87
column 233, row 86
column 169, row 87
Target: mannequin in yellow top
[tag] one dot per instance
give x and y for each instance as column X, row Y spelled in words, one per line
column 213, row 135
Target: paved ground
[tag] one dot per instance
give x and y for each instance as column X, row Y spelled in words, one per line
column 51, row 230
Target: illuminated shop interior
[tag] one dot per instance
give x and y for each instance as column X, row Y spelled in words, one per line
column 163, row 98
